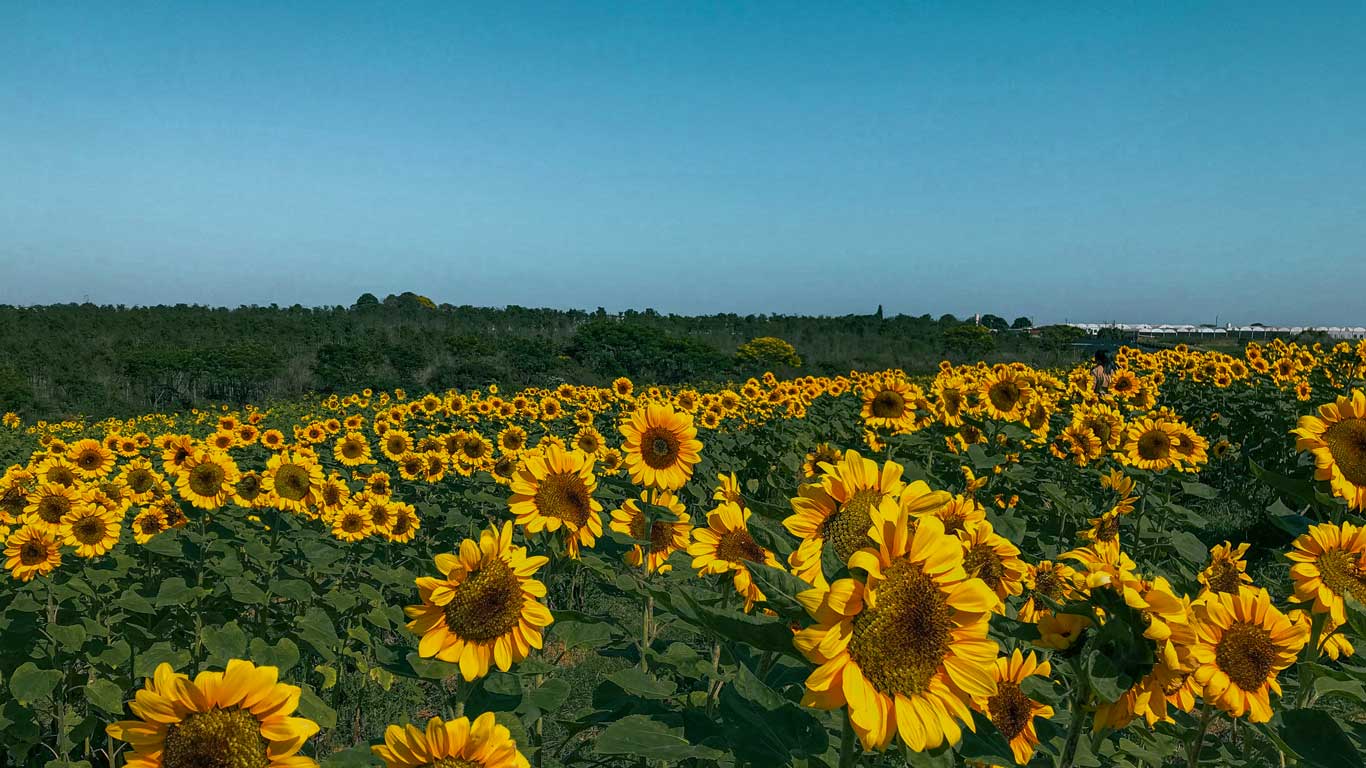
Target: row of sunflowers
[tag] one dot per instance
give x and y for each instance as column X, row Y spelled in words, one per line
column 993, row 564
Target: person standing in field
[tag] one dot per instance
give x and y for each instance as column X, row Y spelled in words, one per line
column 1100, row 372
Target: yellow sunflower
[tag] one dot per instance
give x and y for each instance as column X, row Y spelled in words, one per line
column 31, row 552
column 725, row 545
column 1336, row 438
column 1329, row 563
column 92, row 530
column 1332, row 643
column 352, row 450
column 888, row 403
column 728, row 489
column 1010, row 710
column 241, row 716
column 1227, row 571
column 661, row 446
column 352, row 523
column 293, row 480
column 838, row 510
column 907, row 650
column 90, row 458
column 1151, row 444
column 484, row 609
column 824, row 453
column 991, row 557
column 555, row 490
column 1244, row 642
column 1046, row 579
column 451, row 744
column 1005, row 394
column 206, row 478
column 666, row 536
column 148, row 523
column 141, row 480
column 49, row 504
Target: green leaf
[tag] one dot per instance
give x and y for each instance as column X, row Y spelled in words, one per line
column 761, row 632
column 550, row 695
column 646, row 738
column 147, row 661
column 173, row 592
column 165, row 544
column 30, row 684
column 1292, row 488
column 764, row 728
column 355, row 757
column 284, row 654
column 642, row 684
column 1199, row 490
column 1318, row 739
column 106, row 695
column 294, row 589
column 986, row 745
column 780, row 590
column 224, row 644
column 245, row 592
column 70, row 637
column 581, row 634
column 1188, row 546
column 134, row 603
column 313, row 708
column 316, row 629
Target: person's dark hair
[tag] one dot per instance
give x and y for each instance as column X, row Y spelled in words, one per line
column 1102, row 358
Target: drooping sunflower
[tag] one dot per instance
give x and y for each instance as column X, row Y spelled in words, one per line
column 90, row 458
column 1332, row 643
column 484, row 609
column 907, row 650
column 838, row 509
column 1227, row 571
column 1329, row 563
column 451, row 744
column 242, row 716
column 992, row 558
column 554, row 490
column 206, row 478
column 31, row 552
column 1245, row 641
column 725, row 545
column 1010, row 710
column 293, row 480
column 352, row 450
column 661, row 446
column 666, row 536
column 1336, row 438
column 92, row 530
column 1046, row 579
column 823, row 453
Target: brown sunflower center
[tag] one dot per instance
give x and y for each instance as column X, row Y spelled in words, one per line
column 396, row 444
column 332, row 494
column 887, row 404
column 216, row 739
column 1223, row 576
column 1342, row 574
column 659, row 448
column 148, row 524
column 1246, row 653
column 847, row 528
column 901, row 643
column 453, row 762
column 565, row 495
column 207, row 479
column 352, row 522
column 1099, row 427
column 1346, row 441
column 352, row 449
column 1004, row 395
column 403, row 522
column 89, row 459
column 52, row 508
column 88, row 530
column 1010, row 709
column 738, row 546
column 139, row 480
column 487, row 604
column 292, row 482
column 983, row 562
column 1154, row 445
column 249, row 487
column 1047, row 583
column 1107, row 529
column 32, row 553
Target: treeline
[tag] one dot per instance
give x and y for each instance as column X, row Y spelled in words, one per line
column 62, row 360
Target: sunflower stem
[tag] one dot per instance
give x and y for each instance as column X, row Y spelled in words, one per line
column 645, row 621
column 1083, row 695
column 1198, row 744
column 849, row 754
column 1317, row 621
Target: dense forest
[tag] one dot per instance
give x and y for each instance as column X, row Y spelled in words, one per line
column 69, row 359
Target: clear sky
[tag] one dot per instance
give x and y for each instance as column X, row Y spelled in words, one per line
column 1085, row 161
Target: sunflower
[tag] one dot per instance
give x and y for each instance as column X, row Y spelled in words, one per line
column 666, row 536
column 31, row 552
column 992, row 558
column 725, row 545
column 92, row 530
column 1191, row 449
column 1061, row 631
column 352, row 450
column 475, row 451
column 589, row 441
column 1226, row 572
column 352, row 523
column 512, row 439
column 140, row 479
column 49, row 504
column 241, row 716
column 1010, row 710
column 175, row 450
column 1104, row 421
column 907, row 650
column 622, row 387
column 555, row 490
column 889, row 404
column 206, row 478
column 148, row 523
column 838, row 509
column 396, row 443
column 823, row 453
column 1329, row 563
column 1151, row 444
column 484, row 608
column 333, row 495
column 1005, row 394
column 1076, row 443
column 661, row 447
column 728, row 489
column 1046, row 580
column 90, row 458
column 1336, row 438
column 960, row 513
column 249, row 491
column 1244, row 642
column 403, row 523
column 1332, row 643
column 273, row 439
column 454, row 744
column 293, row 480
column 611, row 461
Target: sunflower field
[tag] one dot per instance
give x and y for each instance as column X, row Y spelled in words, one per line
column 990, row 565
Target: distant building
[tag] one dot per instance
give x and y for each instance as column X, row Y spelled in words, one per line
column 1249, row 332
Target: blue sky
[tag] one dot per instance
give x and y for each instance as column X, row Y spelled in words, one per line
column 1083, row 161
